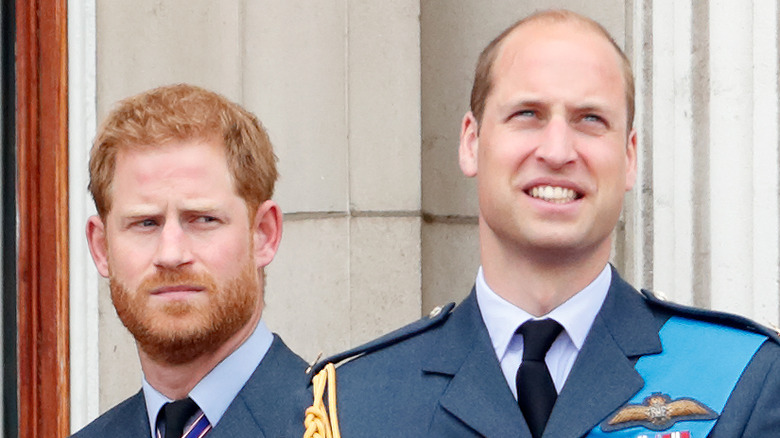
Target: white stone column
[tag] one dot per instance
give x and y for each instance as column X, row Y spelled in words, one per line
column 84, row 317
column 704, row 221
column 731, row 152
column 672, row 151
column 743, row 157
column 766, row 173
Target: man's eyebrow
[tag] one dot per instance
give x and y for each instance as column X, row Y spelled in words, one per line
column 187, row 206
column 523, row 101
column 199, row 206
column 512, row 105
column 140, row 210
column 591, row 105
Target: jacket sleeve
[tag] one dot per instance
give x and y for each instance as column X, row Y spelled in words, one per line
column 753, row 410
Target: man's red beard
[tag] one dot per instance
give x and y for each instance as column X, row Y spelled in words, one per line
column 180, row 331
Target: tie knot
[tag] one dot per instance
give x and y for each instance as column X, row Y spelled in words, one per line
column 538, row 336
column 176, row 415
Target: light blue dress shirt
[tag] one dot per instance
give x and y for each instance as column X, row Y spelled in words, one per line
column 576, row 315
column 219, row 387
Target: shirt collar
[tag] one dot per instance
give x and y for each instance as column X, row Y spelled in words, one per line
column 219, row 387
column 576, row 315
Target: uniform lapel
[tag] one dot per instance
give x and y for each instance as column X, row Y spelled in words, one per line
column 603, row 376
column 238, row 420
column 477, row 397
column 137, row 416
column 268, row 404
column 127, row 420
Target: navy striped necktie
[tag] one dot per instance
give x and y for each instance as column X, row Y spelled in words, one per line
column 182, row 419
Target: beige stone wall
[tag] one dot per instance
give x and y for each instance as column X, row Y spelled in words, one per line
column 363, row 102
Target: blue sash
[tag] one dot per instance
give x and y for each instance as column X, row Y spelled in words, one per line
column 700, row 362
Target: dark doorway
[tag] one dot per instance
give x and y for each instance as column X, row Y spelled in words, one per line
column 8, row 383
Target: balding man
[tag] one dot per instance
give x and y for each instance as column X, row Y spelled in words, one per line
column 551, row 341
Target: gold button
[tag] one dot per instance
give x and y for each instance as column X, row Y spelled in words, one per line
column 661, row 296
column 435, row 312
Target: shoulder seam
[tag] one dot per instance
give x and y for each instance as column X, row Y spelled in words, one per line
column 437, row 316
column 714, row 316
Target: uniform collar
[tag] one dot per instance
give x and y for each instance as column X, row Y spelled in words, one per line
column 576, row 315
column 216, row 391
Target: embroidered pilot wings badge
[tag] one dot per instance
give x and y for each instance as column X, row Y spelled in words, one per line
column 658, row 412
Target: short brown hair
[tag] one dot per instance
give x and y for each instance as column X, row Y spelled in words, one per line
column 178, row 113
column 483, row 81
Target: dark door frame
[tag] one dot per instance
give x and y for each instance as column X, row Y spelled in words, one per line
column 10, row 420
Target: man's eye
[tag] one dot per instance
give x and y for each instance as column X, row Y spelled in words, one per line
column 593, row 118
column 144, row 224
column 205, row 219
column 525, row 113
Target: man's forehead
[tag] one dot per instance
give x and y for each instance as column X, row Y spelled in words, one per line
column 138, row 167
column 170, row 142
column 186, row 153
column 561, row 42
column 546, row 30
column 142, row 206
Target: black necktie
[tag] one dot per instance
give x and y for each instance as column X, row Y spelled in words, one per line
column 535, row 389
column 175, row 416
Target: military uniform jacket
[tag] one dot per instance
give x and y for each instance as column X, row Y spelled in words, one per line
column 441, row 377
column 271, row 404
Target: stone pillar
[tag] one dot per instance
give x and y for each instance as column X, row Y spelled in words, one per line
column 703, row 224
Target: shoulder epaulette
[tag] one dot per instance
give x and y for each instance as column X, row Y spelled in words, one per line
column 714, row 316
column 437, row 316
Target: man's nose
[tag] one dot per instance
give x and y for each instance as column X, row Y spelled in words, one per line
column 556, row 145
column 173, row 249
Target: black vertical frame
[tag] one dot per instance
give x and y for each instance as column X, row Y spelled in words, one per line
column 10, row 415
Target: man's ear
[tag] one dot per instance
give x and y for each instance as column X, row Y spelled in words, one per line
column 469, row 145
column 98, row 245
column 631, row 160
column 266, row 232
